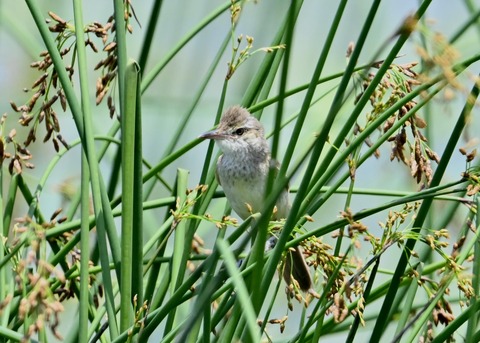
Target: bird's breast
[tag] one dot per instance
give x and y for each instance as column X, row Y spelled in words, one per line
column 244, row 186
column 241, row 189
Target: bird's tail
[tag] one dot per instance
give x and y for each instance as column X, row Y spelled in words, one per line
column 296, row 267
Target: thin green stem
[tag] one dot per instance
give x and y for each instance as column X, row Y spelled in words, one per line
column 181, row 250
column 87, row 139
column 138, row 221
column 121, row 49
column 85, row 256
column 149, row 33
column 128, row 194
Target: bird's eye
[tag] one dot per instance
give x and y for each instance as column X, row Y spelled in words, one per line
column 240, row 131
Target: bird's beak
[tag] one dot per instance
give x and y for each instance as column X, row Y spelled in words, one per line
column 214, row 134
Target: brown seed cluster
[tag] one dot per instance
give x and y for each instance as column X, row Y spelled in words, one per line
column 440, row 56
column 108, row 65
column 42, row 106
column 276, row 321
column 59, row 25
column 21, row 156
column 473, row 173
column 409, row 145
column 44, row 113
column 240, row 56
column 347, row 290
column 442, row 313
column 41, row 287
column 319, row 255
column 37, row 303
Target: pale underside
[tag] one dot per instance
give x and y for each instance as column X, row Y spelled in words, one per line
column 245, row 189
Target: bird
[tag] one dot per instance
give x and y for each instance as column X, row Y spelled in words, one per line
column 242, row 171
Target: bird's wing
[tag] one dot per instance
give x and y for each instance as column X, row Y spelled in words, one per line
column 216, row 169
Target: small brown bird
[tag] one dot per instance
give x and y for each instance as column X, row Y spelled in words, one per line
column 242, row 171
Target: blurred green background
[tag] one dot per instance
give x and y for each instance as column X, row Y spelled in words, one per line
column 170, row 95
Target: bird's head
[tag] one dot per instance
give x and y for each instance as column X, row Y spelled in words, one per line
column 238, row 132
